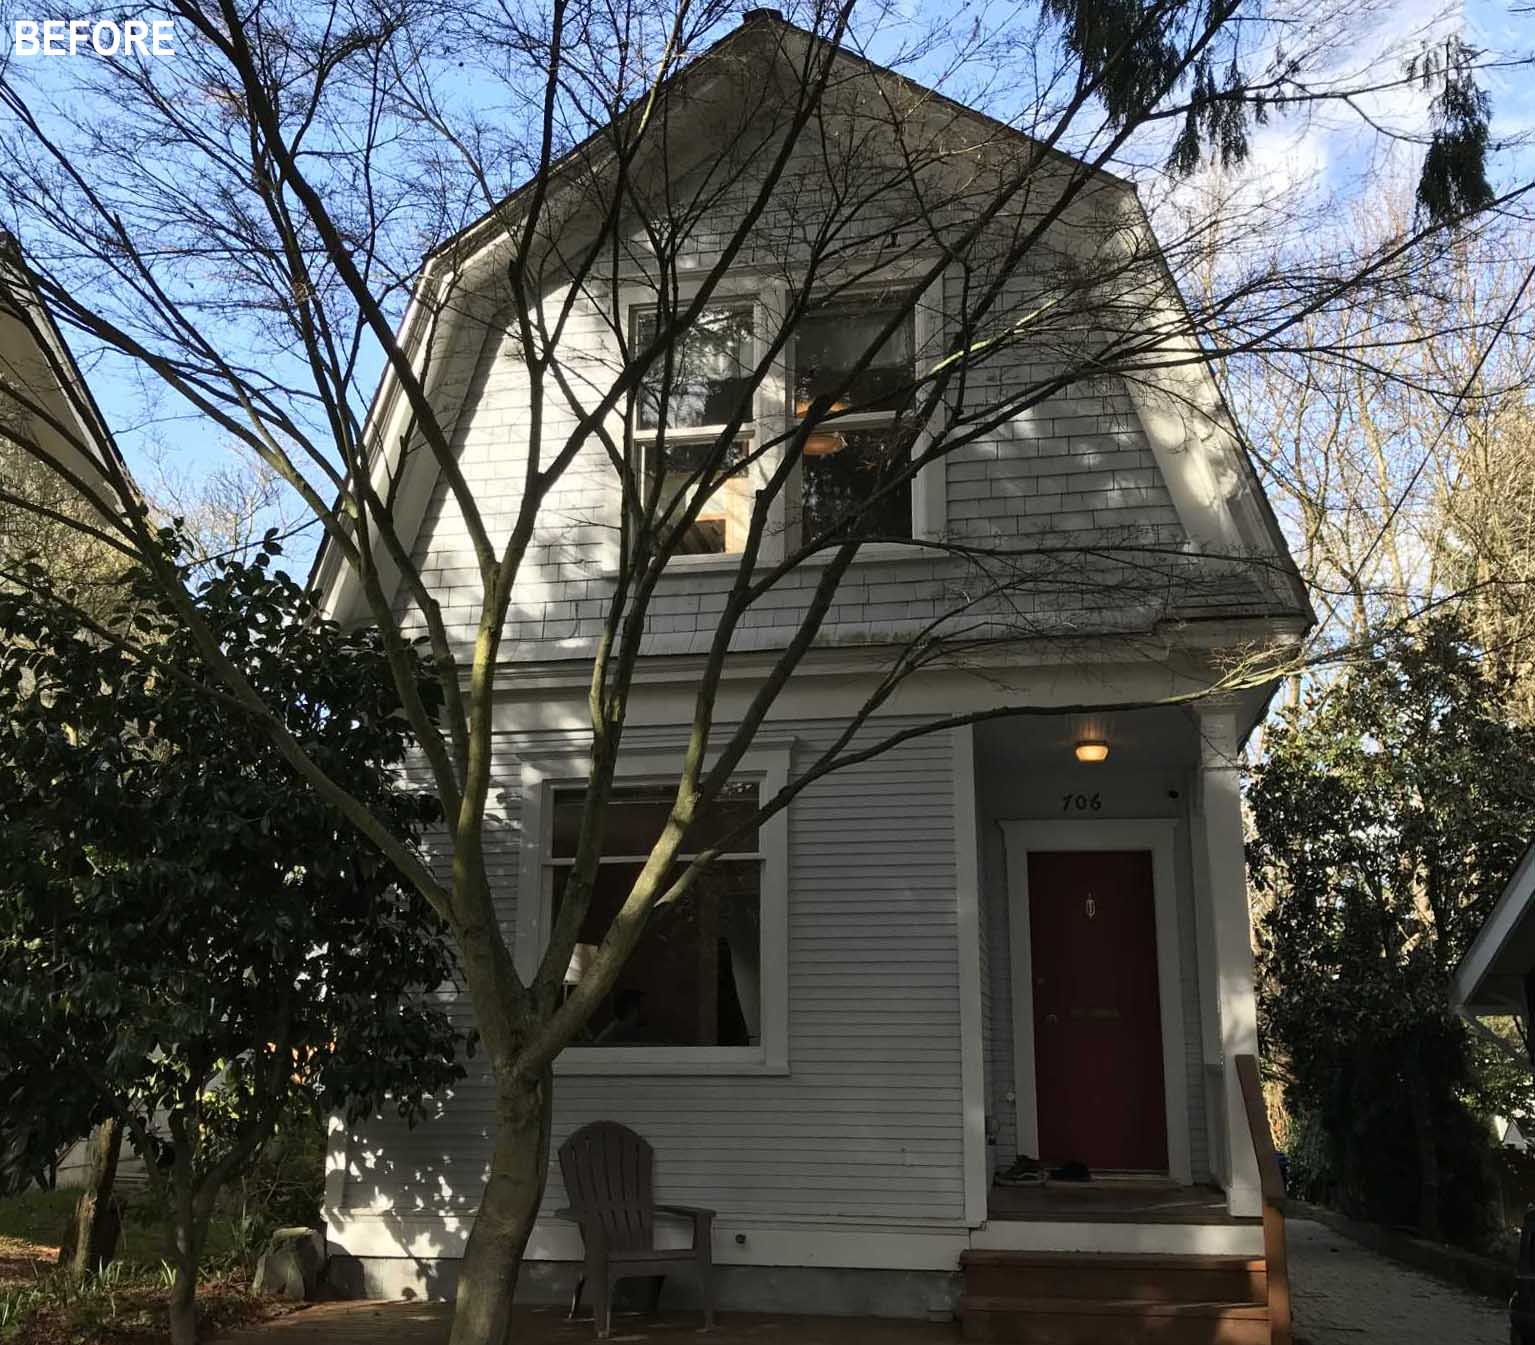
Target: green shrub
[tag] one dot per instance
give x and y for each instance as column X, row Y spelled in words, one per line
column 286, row 1185
column 1313, row 1167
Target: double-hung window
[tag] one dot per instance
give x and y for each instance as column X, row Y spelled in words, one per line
column 705, row 988
column 852, row 478
column 680, row 422
column 852, row 460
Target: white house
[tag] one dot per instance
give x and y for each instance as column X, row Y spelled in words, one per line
column 1493, row 978
column 43, row 395
column 1027, row 934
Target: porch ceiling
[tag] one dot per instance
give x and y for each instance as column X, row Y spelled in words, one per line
column 1154, row 739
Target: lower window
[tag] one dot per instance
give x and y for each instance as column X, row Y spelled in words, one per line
column 695, row 979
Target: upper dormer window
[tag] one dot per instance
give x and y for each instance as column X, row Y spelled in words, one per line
column 710, row 385
column 851, row 458
column 711, row 374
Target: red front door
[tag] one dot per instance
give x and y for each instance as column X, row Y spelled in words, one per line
column 1097, row 1014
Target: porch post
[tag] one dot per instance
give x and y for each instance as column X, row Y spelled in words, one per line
column 1225, row 859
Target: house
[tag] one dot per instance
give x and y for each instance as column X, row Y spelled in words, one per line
column 47, row 408
column 1496, row 975
column 1495, row 979
column 44, row 398
column 1026, row 934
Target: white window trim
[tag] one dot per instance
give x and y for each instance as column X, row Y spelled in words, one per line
column 930, row 486
column 771, row 419
column 766, row 762
column 766, row 422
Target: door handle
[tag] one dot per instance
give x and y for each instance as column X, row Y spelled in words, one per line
column 1051, row 1018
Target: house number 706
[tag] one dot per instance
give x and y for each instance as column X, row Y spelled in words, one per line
column 1081, row 803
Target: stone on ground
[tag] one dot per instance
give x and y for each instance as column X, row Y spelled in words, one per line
column 292, row 1265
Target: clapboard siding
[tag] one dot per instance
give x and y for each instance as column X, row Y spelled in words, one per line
column 867, row 1124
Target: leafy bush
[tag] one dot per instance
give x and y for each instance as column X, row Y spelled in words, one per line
column 285, row 1187
column 1390, row 810
column 1312, row 1171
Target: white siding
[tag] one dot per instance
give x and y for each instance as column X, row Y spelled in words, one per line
column 867, row 1125
column 1075, row 471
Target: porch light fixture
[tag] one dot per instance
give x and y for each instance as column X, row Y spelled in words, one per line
column 1092, row 749
column 821, row 443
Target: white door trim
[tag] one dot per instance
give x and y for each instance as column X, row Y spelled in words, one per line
column 967, row 887
column 1155, row 835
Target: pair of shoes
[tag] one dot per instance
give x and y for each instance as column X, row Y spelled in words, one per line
column 1025, row 1171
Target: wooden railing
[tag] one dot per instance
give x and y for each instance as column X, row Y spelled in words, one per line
column 1271, row 1182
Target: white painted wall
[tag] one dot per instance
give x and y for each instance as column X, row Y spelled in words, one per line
column 866, row 1128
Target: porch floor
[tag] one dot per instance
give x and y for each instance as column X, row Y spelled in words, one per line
column 1105, row 1200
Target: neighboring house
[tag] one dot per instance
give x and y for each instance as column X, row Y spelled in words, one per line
column 44, row 397
column 46, row 403
column 1496, row 977
column 1508, row 1134
column 980, row 945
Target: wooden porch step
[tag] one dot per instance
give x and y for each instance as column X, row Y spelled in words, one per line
column 1129, row 1277
column 1098, row 1321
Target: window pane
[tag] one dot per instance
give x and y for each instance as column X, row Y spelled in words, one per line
column 695, row 978
column 840, row 470
column 732, row 807
column 725, row 518
column 636, row 814
column 711, row 371
column 830, row 341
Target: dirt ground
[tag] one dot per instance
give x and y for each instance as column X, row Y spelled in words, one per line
column 399, row 1323
column 22, row 1261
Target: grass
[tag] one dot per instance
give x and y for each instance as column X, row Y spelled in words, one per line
column 125, row 1304
column 36, row 1216
column 40, row 1217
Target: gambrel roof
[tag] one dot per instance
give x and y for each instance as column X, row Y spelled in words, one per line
column 1200, row 458
column 35, row 358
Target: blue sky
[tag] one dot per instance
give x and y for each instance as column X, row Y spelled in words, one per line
column 1325, row 155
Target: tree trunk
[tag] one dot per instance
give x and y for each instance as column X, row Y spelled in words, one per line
column 519, row 1167
column 97, row 1221
column 183, row 1305
column 1421, row 1104
column 188, row 1227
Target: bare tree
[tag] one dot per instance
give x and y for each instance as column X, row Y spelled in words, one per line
column 563, row 158
column 225, row 509
column 1489, row 542
column 1390, row 434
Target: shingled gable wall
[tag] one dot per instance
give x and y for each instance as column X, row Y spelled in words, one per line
column 1073, row 471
